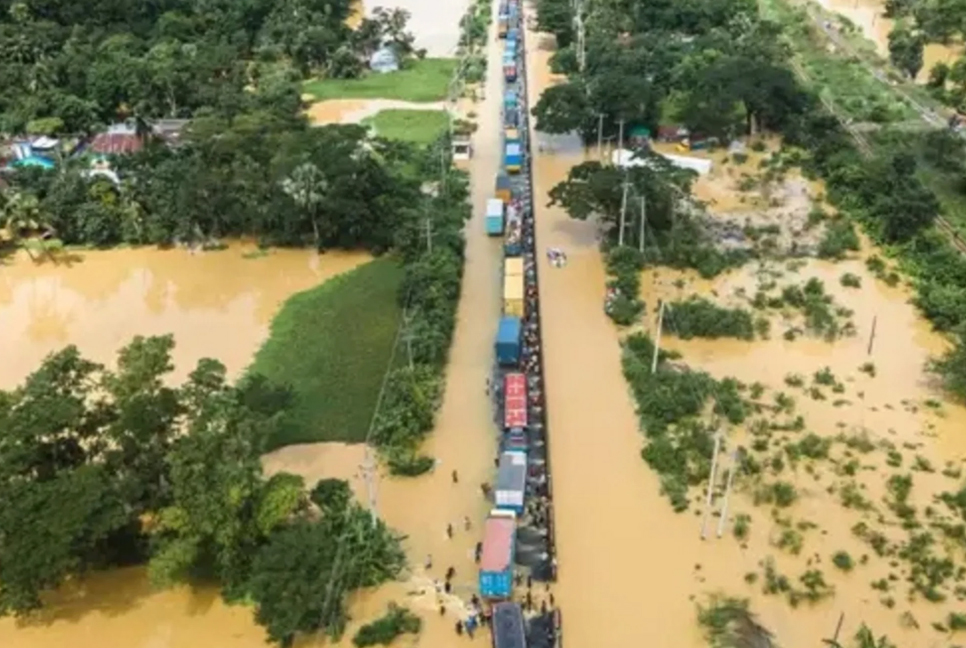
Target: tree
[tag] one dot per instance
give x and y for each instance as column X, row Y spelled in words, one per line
column 52, row 529
column 146, row 419
column 307, row 188
column 565, row 108
column 906, row 49
column 221, row 507
column 301, row 576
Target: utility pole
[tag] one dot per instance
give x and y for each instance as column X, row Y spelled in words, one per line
column 714, row 469
column 620, row 141
column 600, row 137
column 640, row 239
column 872, row 335
column 623, row 220
column 429, row 234
column 368, row 473
column 657, row 337
column 724, row 506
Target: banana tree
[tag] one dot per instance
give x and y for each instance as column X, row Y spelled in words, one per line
column 307, row 187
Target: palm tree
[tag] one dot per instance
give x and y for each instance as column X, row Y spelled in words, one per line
column 20, row 214
column 307, row 187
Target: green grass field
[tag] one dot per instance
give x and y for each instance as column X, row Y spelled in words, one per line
column 418, row 126
column 424, row 81
column 331, row 344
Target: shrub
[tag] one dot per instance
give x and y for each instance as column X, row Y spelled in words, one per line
column 843, row 561
column 397, row 621
column 698, row 317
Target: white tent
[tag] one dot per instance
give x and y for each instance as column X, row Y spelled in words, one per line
column 625, row 158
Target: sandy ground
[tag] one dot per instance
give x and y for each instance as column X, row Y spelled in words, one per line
column 353, row 111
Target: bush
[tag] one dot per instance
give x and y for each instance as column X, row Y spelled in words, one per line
column 698, row 317
column 382, row 631
column 623, row 306
column 843, row 561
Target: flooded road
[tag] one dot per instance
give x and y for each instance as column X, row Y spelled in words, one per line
column 217, row 304
column 631, row 571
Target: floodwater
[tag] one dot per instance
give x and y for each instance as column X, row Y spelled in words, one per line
column 353, row 111
column 434, row 24
column 868, row 16
column 217, row 304
column 220, row 304
column 631, row 571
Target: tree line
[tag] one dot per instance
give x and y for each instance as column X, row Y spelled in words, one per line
column 103, row 467
column 69, row 68
column 722, row 70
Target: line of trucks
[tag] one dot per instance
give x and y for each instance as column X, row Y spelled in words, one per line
column 504, row 218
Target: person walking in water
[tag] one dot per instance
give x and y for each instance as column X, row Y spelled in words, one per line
column 466, row 522
column 429, row 561
column 449, row 531
column 456, row 477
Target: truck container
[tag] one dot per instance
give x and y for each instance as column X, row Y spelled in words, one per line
column 513, row 296
column 512, row 135
column 511, row 118
column 509, row 100
column 511, row 481
column 509, row 630
column 503, row 25
column 514, row 401
column 513, row 159
column 496, row 563
column 494, row 216
column 513, row 267
column 503, row 191
column 513, row 33
column 509, row 341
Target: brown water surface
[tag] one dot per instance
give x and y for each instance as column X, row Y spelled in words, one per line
column 631, row 570
column 217, row 304
column 869, row 17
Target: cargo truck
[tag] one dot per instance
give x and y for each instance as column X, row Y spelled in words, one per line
column 509, row 630
column 513, row 238
column 509, row 100
column 513, row 35
column 510, row 70
column 515, row 413
column 499, row 550
column 511, row 481
column 513, row 159
column 494, row 216
column 513, row 266
column 512, row 135
column 513, row 296
column 503, row 191
column 509, row 341
column 503, row 24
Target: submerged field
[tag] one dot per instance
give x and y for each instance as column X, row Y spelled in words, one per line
column 331, row 344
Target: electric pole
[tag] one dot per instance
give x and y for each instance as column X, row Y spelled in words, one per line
column 620, row 234
column 600, row 137
column 640, row 239
column 657, row 337
column 429, row 234
column 620, row 142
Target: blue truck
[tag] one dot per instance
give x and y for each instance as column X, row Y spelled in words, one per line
column 509, row 69
column 513, row 159
column 499, row 552
column 509, row 341
column 494, row 217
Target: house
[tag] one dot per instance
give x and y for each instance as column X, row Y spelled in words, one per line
column 384, row 60
column 123, row 138
column 119, row 139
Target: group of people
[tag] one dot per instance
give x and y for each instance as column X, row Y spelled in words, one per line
column 557, row 257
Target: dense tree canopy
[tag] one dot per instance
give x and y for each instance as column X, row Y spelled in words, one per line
column 101, row 467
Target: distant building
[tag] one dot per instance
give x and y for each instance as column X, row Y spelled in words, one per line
column 123, row 138
column 384, row 60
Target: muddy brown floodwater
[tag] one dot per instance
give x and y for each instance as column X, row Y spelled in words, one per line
column 631, row 570
column 217, row 304
column 869, row 17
